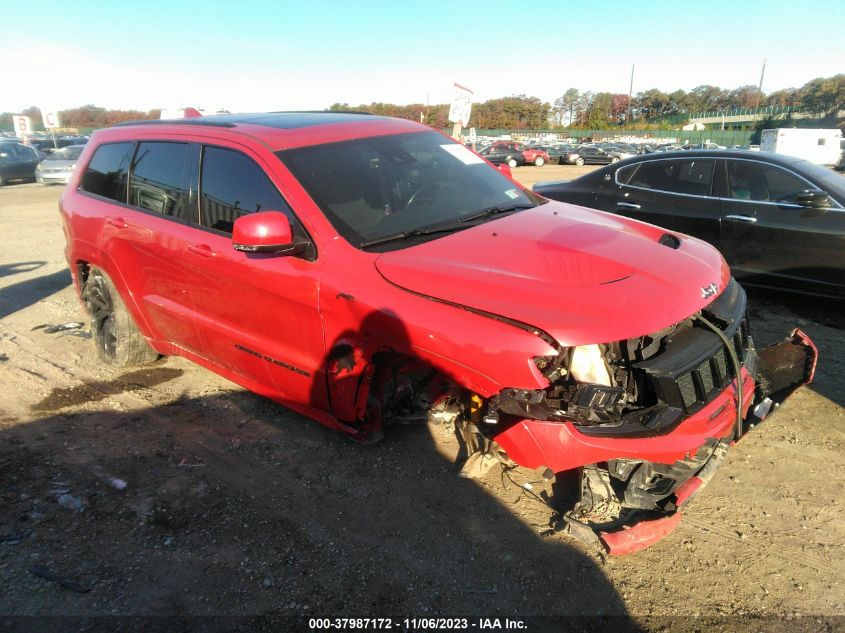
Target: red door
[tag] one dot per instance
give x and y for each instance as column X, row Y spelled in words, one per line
column 257, row 314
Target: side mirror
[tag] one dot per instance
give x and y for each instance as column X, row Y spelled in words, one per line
column 813, row 198
column 265, row 232
column 506, row 170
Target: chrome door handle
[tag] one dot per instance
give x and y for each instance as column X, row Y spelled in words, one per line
column 628, row 205
column 116, row 222
column 741, row 218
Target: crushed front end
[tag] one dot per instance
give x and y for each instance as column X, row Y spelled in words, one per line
column 635, row 428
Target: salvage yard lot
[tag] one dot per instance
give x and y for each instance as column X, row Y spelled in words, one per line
column 233, row 505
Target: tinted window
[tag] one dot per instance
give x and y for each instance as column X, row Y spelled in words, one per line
column 694, row 176
column 234, row 185
column 107, row 173
column 26, row 153
column 159, row 178
column 764, row 183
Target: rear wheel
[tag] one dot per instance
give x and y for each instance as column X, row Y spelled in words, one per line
column 2, row 180
column 511, row 162
column 118, row 340
column 539, row 161
column 579, row 161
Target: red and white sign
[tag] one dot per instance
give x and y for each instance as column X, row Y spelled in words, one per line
column 461, row 105
column 23, row 126
column 50, row 118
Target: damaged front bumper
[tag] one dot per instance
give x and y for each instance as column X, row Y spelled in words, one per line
column 660, row 472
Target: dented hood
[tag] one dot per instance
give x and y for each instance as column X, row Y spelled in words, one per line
column 582, row 276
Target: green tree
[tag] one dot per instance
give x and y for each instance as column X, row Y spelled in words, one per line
column 706, row 98
column 824, row 94
column 745, row 97
column 571, row 101
column 599, row 112
column 785, row 97
column 652, row 103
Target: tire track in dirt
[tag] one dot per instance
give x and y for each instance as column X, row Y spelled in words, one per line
column 790, row 555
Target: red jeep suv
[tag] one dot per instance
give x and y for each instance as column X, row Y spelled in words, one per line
column 365, row 270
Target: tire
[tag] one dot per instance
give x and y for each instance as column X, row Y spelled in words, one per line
column 615, row 159
column 579, row 161
column 3, row 181
column 539, row 161
column 118, row 340
column 511, row 162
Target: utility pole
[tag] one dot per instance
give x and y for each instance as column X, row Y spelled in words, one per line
column 630, row 92
column 760, row 87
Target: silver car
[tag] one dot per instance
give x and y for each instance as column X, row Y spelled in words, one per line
column 58, row 166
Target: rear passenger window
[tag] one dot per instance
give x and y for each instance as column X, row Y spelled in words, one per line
column 654, row 175
column 159, row 179
column 233, row 185
column 693, row 177
column 108, row 170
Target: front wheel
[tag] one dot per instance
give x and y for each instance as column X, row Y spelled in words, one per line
column 118, row 340
column 512, row 163
column 615, row 159
column 539, row 161
column 579, row 161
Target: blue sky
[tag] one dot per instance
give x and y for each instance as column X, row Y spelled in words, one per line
column 251, row 56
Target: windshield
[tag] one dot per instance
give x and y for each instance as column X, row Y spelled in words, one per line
column 66, row 153
column 374, row 188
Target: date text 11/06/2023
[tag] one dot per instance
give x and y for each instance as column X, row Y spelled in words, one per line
column 416, row 624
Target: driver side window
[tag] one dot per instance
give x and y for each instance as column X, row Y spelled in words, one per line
column 232, row 185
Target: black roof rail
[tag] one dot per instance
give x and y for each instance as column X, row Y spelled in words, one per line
column 193, row 121
column 321, row 112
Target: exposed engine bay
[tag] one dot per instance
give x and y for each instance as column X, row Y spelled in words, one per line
column 642, row 386
column 638, row 388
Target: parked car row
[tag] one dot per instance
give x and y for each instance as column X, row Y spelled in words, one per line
column 515, row 154
column 49, row 145
column 25, row 163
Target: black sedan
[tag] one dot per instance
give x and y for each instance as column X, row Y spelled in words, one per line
column 589, row 155
column 556, row 152
column 778, row 220
column 17, row 162
column 500, row 154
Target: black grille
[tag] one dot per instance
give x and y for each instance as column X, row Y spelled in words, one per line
column 689, row 371
column 693, row 388
column 686, row 386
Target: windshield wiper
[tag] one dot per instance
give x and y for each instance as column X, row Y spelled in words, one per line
column 458, row 225
column 486, row 213
column 413, row 233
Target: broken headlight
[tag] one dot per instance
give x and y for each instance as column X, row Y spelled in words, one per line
column 587, row 365
column 582, row 390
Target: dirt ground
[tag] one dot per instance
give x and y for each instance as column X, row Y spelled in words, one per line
column 199, row 498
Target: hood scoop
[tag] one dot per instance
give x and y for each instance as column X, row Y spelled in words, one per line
column 667, row 239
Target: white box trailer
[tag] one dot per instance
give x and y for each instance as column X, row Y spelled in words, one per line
column 817, row 146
